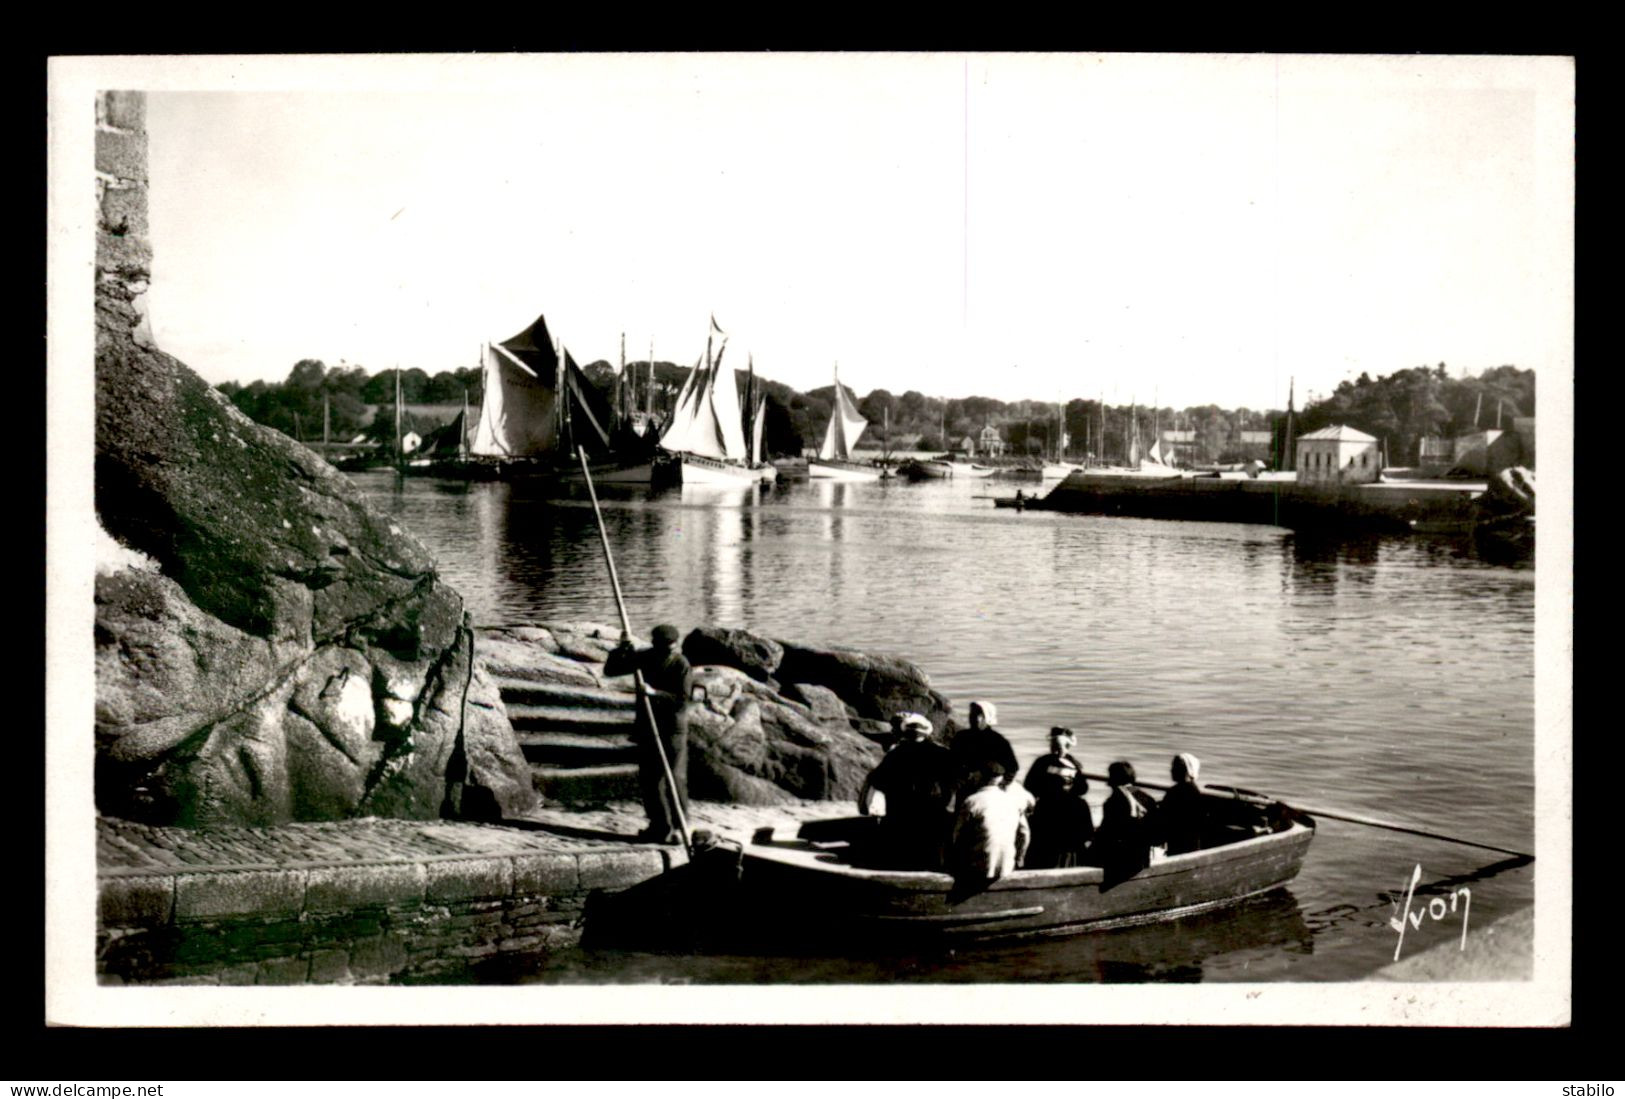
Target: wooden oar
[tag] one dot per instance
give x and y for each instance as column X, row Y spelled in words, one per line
column 637, row 676
column 1332, row 814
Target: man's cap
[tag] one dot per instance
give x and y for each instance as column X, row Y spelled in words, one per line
column 665, row 635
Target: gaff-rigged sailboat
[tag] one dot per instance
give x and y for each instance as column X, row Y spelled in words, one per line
column 706, row 434
column 846, row 425
column 538, row 406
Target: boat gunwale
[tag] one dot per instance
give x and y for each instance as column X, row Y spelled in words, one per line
column 805, row 856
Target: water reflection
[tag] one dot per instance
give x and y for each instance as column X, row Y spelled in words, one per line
column 1227, row 944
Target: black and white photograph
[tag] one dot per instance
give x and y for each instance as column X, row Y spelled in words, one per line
column 872, row 538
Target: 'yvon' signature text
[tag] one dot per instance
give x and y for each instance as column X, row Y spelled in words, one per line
column 1437, row 908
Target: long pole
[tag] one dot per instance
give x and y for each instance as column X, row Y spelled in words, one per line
column 637, row 676
column 1333, row 814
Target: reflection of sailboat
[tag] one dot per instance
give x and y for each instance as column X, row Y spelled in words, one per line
column 846, row 425
column 706, row 434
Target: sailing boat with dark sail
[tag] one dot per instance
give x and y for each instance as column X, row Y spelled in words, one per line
column 537, row 407
column 846, row 425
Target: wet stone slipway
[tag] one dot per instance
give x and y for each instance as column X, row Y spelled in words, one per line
column 368, row 901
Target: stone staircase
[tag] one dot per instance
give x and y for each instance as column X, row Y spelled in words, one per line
column 578, row 740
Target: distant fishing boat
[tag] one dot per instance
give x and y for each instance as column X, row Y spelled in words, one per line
column 537, row 407
column 925, row 469
column 706, row 436
column 846, row 425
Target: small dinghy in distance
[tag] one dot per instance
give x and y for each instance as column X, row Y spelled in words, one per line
column 815, row 880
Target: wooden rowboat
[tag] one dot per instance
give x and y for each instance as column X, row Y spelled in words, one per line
column 812, row 880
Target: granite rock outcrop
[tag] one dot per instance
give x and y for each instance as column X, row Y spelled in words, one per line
column 268, row 646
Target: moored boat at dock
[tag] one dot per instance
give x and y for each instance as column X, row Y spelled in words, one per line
column 706, row 433
column 815, row 880
column 921, row 469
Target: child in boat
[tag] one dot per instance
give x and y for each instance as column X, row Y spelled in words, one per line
column 1181, row 813
column 1127, row 825
column 917, row 778
column 1062, row 825
column 991, row 833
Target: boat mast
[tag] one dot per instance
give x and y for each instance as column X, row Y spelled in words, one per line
column 1156, row 422
column 399, row 456
column 1288, row 459
column 462, row 436
column 751, row 457
column 563, row 376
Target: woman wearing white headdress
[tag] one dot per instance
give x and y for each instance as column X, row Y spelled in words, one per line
column 1181, row 814
column 982, row 752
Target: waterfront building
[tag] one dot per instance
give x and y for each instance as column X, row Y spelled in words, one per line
column 1337, row 455
column 1485, row 453
column 990, row 443
column 1179, row 447
column 1524, row 428
column 1254, row 445
column 1436, row 454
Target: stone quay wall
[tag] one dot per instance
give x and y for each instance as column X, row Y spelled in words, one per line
column 425, row 916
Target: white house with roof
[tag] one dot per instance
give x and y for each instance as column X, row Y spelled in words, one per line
column 991, row 442
column 1338, row 455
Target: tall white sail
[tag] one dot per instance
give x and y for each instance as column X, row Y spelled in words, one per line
column 846, row 424
column 756, row 430
column 725, row 412
column 516, row 414
column 675, row 437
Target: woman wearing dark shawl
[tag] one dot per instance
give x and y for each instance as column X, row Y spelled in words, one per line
column 1127, row 825
column 1181, row 813
column 1061, row 821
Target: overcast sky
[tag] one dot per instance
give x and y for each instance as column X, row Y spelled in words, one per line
column 1198, row 229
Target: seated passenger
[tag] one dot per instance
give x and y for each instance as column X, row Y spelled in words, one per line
column 990, row 834
column 982, row 752
column 1062, row 825
column 1127, row 825
column 1181, row 814
column 917, row 777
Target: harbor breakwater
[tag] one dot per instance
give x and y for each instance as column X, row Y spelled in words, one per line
column 1384, row 506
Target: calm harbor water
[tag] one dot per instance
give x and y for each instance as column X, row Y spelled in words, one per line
column 1388, row 677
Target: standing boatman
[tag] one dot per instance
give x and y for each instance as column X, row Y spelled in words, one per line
column 669, row 682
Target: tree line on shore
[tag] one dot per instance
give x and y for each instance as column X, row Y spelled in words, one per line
column 1399, row 408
